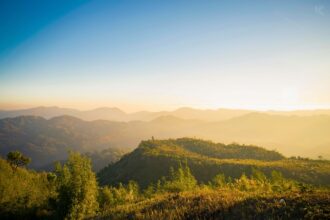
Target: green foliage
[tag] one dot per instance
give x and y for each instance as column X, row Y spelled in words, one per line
column 222, row 151
column 259, row 182
column 219, row 180
column 151, row 190
column 153, row 159
column 226, row 204
column 258, row 175
column 16, row 159
column 24, row 193
column 243, row 183
column 180, row 180
column 244, row 198
column 113, row 196
column 173, row 173
column 77, row 188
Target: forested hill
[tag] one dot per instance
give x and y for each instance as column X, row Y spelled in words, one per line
column 153, row 159
column 46, row 141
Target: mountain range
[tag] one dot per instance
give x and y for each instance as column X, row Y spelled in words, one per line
column 47, row 140
column 116, row 114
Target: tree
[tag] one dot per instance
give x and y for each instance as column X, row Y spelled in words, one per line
column 180, row 179
column 17, row 159
column 219, row 180
column 77, row 188
column 132, row 190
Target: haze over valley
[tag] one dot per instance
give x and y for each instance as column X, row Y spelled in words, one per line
column 46, row 133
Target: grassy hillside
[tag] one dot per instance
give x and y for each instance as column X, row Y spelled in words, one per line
column 225, row 204
column 153, row 159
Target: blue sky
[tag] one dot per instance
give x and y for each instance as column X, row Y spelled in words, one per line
column 165, row 54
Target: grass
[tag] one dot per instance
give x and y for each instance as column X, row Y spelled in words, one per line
column 205, row 203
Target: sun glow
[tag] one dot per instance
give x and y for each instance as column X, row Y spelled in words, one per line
column 290, row 94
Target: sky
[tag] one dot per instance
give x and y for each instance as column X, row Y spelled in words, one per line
column 162, row 55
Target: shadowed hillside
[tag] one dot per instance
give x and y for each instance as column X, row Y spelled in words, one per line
column 46, row 141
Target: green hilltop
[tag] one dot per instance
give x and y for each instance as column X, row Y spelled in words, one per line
column 153, row 159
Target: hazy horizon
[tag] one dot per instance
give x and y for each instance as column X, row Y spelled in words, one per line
column 156, row 110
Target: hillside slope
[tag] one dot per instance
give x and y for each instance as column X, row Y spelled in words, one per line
column 153, row 159
column 46, row 141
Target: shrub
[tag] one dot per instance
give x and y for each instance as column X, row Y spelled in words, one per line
column 180, row 180
column 219, row 180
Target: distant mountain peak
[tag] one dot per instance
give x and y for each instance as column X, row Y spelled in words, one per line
column 65, row 117
column 168, row 118
column 113, row 109
column 185, row 113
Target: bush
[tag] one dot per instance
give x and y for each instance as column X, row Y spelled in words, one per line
column 219, row 181
column 113, row 196
column 180, row 180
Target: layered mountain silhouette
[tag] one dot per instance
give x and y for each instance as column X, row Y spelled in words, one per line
column 46, row 140
column 115, row 114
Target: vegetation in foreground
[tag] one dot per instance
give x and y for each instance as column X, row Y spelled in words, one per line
column 208, row 203
column 179, row 196
column 72, row 192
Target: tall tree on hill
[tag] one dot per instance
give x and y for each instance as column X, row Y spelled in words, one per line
column 17, row 159
column 77, row 188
